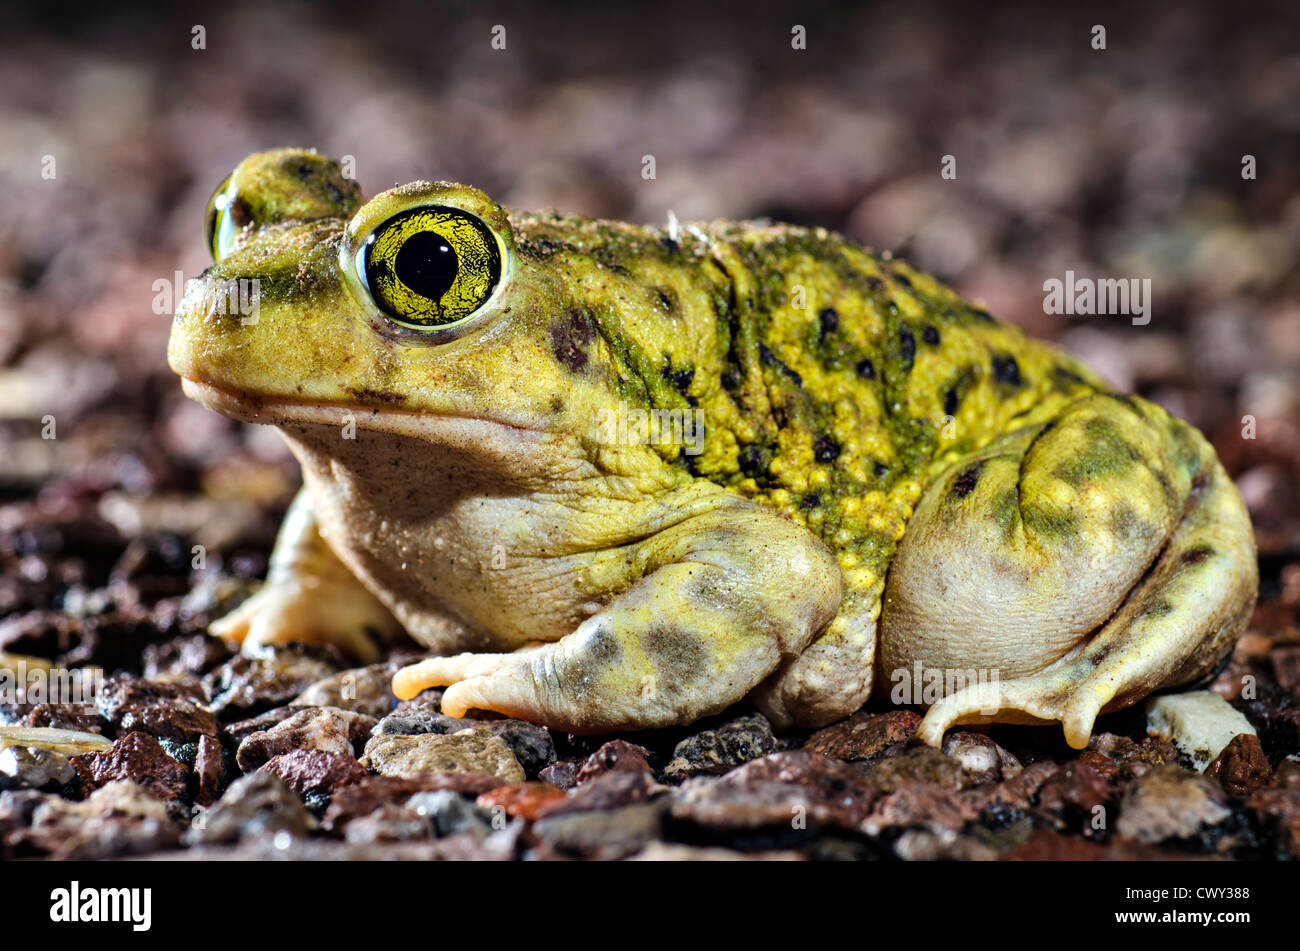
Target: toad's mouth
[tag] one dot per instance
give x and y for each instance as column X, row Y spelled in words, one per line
column 429, row 427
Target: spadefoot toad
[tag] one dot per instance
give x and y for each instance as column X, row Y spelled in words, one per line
column 621, row 477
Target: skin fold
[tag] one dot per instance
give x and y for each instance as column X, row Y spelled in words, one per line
column 870, row 479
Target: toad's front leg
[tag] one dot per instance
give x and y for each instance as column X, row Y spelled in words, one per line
column 309, row 596
column 716, row 601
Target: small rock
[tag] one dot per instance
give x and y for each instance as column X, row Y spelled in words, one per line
column 315, row 774
column 866, row 736
column 360, row 799
column 365, row 690
column 714, row 752
column 210, row 768
column 715, row 804
column 1286, row 666
column 120, row 818
column 563, row 773
column 605, row 836
column 1072, row 795
column 33, row 768
column 923, row 765
column 1242, row 766
column 1135, row 757
column 931, row 807
column 450, row 813
column 524, row 800
column 244, row 685
column 165, row 710
column 982, row 759
column 835, row 791
column 185, row 657
column 531, row 744
column 413, row 717
column 315, row 728
column 138, row 757
column 924, row 845
column 613, row 790
column 1170, row 803
column 76, row 717
column 612, row 756
column 471, row 751
column 389, row 823
column 240, row 730
column 1277, row 807
column 255, row 805
column 1199, row 723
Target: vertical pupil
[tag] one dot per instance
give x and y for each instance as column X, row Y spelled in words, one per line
column 427, row 264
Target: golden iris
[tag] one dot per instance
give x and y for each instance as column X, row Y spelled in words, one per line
column 431, row 267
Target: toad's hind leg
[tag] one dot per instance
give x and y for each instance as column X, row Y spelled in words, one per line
column 1068, row 570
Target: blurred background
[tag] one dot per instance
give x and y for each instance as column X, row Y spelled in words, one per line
column 1125, row 162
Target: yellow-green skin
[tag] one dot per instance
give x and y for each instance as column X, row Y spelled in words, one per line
column 890, row 482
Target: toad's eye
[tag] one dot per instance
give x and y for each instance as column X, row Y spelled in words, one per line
column 218, row 223
column 430, row 267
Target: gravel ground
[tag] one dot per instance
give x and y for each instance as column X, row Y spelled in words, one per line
column 1123, row 162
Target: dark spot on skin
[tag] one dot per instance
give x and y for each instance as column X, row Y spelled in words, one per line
column 904, row 280
column 557, row 404
column 950, row 401
column 1050, row 522
column 983, row 315
column 570, row 337
column 601, row 649
column 1195, row 556
column 1106, row 453
column 678, row 657
column 731, row 378
column 906, row 346
column 876, row 285
column 1006, row 369
column 770, row 359
column 382, row 396
column 830, row 321
column 826, row 449
column 681, row 378
column 669, row 245
column 1159, row 608
column 880, row 469
column 304, row 171
column 965, row 483
column 1127, row 401
column 866, row 370
column 811, row 500
column 667, row 299
column 1065, row 378
column 754, row 460
column 930, row 335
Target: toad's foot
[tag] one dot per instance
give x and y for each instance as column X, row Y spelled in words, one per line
column 309, row 597
column 1070, row 570
column 722, row 597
